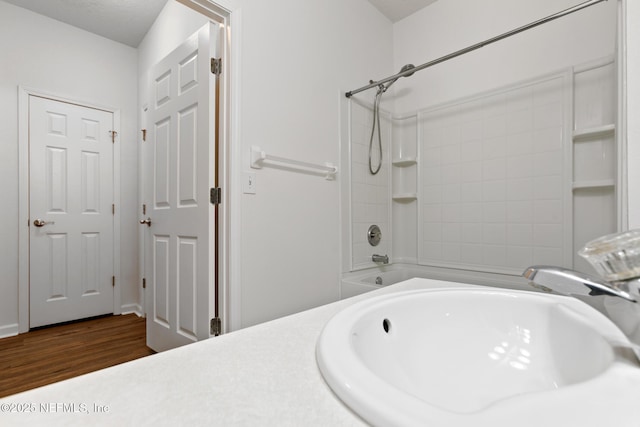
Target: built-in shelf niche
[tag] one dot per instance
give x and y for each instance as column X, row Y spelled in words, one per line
column 595, row 175
column 404, row 176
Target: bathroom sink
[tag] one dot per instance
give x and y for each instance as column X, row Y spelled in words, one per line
column 436, row 355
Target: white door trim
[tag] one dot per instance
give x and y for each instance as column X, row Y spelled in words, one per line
column 23, row 203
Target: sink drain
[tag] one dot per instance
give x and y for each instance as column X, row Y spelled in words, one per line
column 386, row 325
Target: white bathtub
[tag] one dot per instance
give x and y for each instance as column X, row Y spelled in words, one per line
column 362, row 281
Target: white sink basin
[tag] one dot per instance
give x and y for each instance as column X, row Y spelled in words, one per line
column 419, row 357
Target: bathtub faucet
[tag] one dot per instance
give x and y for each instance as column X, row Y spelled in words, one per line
column 380, row 258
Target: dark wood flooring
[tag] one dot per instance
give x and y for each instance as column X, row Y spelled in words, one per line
column 56, row 353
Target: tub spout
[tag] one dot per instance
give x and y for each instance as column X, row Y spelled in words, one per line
column 380, row 258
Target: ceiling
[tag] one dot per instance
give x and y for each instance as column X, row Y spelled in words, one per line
column 127, row 21
column 395, row 10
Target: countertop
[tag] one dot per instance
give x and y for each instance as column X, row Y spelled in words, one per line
column 264, row 375
column 267, row 375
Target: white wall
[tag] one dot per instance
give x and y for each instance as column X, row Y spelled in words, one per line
column 44, row 54
column 633, row 111
column 447, row 26
column 297, row 58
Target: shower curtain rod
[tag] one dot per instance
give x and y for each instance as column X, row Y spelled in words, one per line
column 476, row 46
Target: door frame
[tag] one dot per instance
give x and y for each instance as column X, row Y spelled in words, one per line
column 23, row 194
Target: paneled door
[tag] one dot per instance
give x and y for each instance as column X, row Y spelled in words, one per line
column 70, row 209
column 180, row 170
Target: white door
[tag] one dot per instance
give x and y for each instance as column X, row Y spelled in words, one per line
column 70, row 209
column 180, row 164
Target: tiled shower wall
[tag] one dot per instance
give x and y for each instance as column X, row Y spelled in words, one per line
column 492, row 178
column 370, row 194
column 497, row 182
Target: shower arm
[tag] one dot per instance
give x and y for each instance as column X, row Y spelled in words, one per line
column 407, row 73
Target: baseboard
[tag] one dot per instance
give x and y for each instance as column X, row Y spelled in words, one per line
column 9, row 330
column 132, row 308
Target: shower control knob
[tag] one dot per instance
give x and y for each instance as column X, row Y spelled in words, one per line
column 374, row 235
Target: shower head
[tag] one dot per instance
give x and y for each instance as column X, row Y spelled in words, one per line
column 402, row 70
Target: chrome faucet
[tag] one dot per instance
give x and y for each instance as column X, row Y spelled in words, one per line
column 380, row 258
column 569, row 282
column 623, row 309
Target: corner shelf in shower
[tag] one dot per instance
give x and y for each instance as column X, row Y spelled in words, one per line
column 404, row 162
column 601, row 183
column 586, row 135
column 405, row 197
column 594, row 132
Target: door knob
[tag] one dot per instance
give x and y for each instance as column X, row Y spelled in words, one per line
column 41, row 222
column 146, row 221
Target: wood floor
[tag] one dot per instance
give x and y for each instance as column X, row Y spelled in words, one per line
column 60, row 352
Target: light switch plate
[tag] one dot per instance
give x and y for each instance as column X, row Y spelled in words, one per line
column 249, row 183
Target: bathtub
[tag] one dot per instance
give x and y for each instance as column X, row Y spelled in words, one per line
column 359, row 282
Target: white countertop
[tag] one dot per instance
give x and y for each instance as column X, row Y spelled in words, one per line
column 265, row 375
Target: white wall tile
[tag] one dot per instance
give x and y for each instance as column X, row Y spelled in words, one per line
column 548, row 211
column 520, row 144
column 547, row 187
column 520, row 211
column 471, row 192
column 450, row 252
column 548, row 256
column 494, row 212
column 494, row 234
column 471, row 171
column 549, row 115
column 471, row 130
column 548, row 139
column 549, row 163
column 494, row 147
column 519, row 256
column 494, row 126
column 494, row 169
column 520, row 189
column 494, row 255
column 520, row 167
column 471, row 254
column 471, row 232
column 470, row 212
column 547, row 235
column 451, row 173
column 494, row 191
column 520, row 235
column 451, row 232
column 451, row 193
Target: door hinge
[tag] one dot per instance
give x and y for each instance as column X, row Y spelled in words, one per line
column 216, row 66
column 113, row 209
column 113, row 281
column 144, row 135
column 215, row 196
column 216, row 326
column 113, row 134
column 144, row 283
